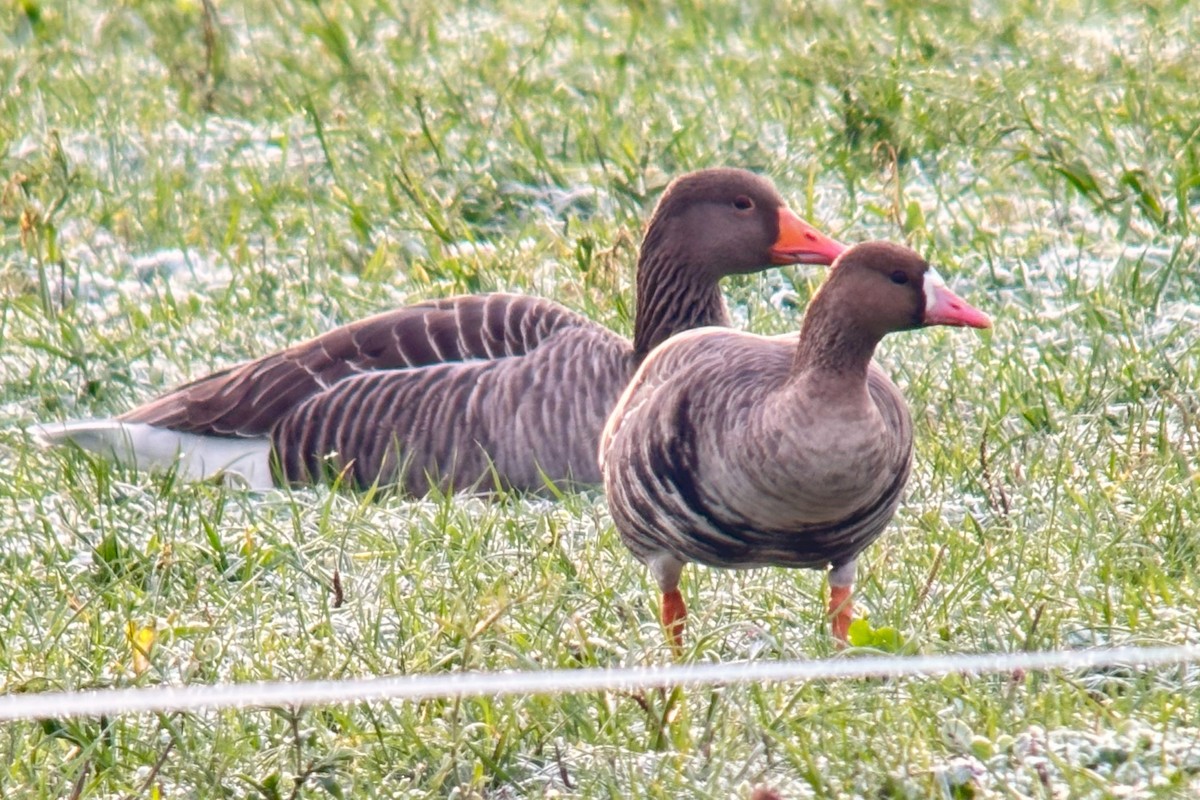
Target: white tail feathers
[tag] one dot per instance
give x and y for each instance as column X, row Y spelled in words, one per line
column 146, row 447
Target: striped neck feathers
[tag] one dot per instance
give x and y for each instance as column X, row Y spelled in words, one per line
column 673, row 296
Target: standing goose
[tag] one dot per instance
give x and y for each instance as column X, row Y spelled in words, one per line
column 736, row 450
column 462, row 391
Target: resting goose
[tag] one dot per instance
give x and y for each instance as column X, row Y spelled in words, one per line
column 459, row 392
column 736, row 450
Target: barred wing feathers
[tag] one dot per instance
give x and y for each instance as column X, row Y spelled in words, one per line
column 249, row 399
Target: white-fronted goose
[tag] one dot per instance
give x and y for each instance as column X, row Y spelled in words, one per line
column 736, row 450
column 461, row 392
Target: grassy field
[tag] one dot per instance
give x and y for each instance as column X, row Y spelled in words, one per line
column 185, row 185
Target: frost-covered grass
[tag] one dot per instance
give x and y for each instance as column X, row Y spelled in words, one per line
column 185, row 185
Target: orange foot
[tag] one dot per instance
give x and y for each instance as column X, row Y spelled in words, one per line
column 841, row 611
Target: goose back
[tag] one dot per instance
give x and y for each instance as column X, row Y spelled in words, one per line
column 250, row 399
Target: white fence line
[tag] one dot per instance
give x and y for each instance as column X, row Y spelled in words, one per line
column 162, row 699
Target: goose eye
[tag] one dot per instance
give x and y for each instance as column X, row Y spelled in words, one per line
column 743, row 203
column 900, row 277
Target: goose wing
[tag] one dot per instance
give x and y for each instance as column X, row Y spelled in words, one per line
column 526, row 420
column 248, row 400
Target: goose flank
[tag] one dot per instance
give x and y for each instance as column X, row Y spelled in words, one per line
column 735, row 450
column 467, row 391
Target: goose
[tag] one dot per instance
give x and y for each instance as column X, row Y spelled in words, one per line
column 465, row 391
column 735, row 450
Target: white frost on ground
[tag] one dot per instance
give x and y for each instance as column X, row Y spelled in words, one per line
column 1133, row 760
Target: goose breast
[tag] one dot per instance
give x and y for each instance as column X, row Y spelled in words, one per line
column 731, row 471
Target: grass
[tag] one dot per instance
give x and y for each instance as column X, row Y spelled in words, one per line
column 186, row 185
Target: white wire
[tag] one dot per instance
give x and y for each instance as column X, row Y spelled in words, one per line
column 162, row 699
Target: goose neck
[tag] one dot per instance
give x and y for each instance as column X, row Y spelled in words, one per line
column 671, row 299
column 836, row 351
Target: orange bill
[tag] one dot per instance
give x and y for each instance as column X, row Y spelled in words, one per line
column 801, row 243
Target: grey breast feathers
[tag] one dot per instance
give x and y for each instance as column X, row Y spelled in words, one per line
column 704, row 465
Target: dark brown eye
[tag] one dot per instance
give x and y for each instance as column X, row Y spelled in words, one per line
column 900, row 276
column 743, row 203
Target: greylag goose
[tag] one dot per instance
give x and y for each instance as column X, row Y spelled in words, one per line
column 736, row 450
column 467, row 390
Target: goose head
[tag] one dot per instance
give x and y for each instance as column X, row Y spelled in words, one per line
column 719, row 222
column 873, row 289
column 709, row 224
column 884, row 287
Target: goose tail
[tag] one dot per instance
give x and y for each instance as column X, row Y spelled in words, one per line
column 146, row 447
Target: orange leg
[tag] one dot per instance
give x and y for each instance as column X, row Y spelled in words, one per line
column 674, row 612
column 841, row 611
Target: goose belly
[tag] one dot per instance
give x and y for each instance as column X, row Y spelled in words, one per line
column 741, row 518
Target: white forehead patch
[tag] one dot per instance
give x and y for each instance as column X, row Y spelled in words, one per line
column 932, row 281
